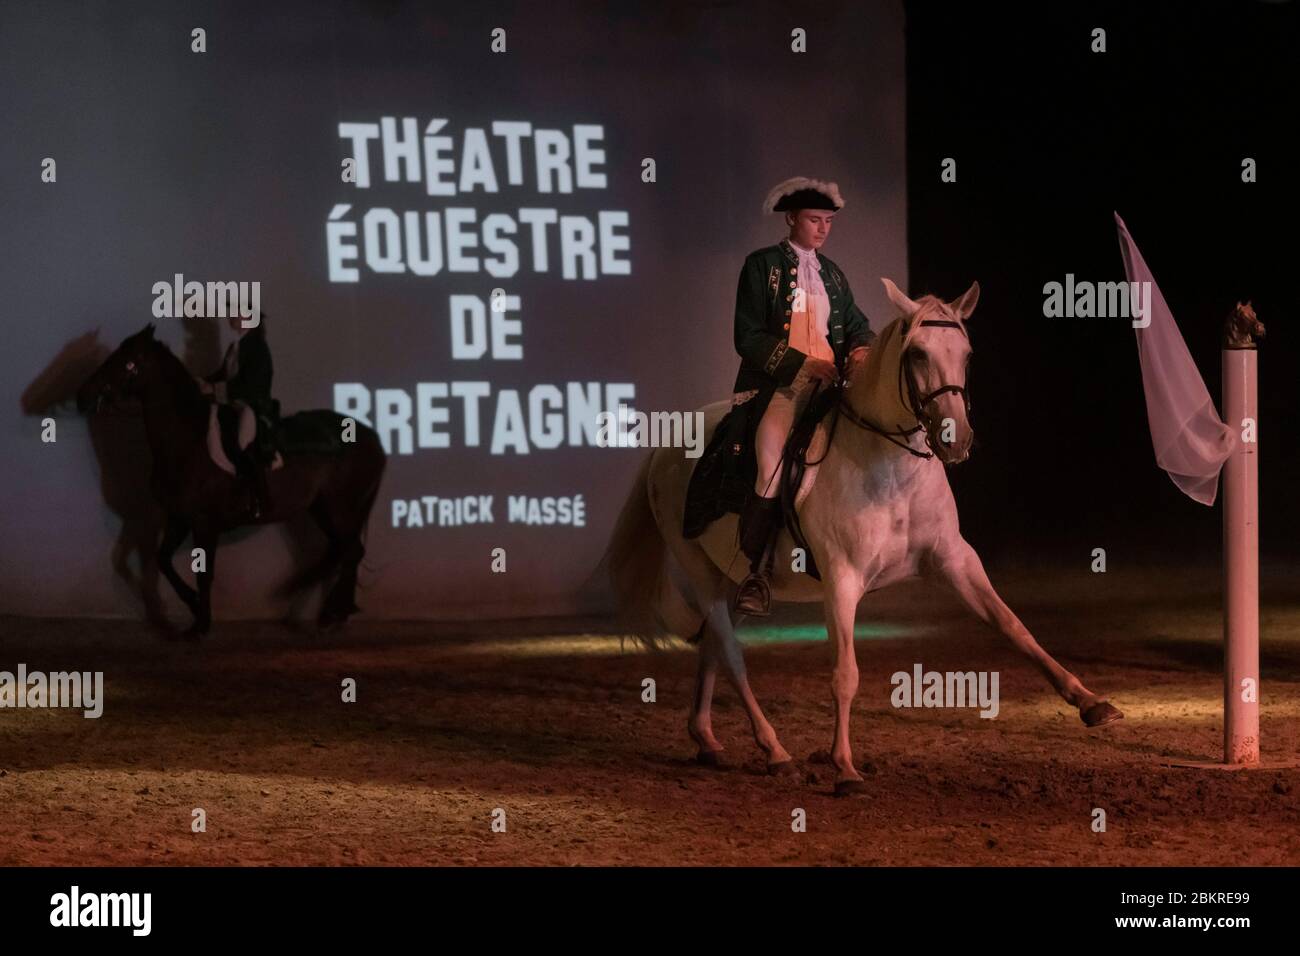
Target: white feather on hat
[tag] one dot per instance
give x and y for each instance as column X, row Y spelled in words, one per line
column 802, row 182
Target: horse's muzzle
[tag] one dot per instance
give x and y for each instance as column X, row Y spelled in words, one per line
column 953, row 453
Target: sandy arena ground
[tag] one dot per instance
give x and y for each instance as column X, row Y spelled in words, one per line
column 546, row 721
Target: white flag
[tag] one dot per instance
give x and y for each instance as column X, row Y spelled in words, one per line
column 1191, row 441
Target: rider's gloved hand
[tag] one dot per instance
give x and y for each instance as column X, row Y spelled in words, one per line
column 857, row 358
column 821, row 370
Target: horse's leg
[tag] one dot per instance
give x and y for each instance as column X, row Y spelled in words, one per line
column 843, row 591
column 341, row 600
column 173, row 535
column 122, row 555
column 144, row 540
column 206, row 540
column 700, row 723
column 345, row 551
column 718, row 627
column 323, row 568
column 960, row 568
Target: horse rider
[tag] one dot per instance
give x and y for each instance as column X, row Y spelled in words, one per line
column 796, row 328
column 243, row 382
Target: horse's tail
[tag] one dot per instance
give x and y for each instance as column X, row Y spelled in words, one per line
column 650, row 604
column 379, row 465
column 372, row 492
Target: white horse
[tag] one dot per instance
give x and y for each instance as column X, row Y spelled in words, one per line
column 879, row 510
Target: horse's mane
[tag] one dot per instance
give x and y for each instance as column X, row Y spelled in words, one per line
column 929, row 306
column 888, row 334
column 176, row 374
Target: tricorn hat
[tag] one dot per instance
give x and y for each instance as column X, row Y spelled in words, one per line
column 803, row 193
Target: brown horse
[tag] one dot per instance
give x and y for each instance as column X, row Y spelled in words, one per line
column 122, row 452
column 337, row 490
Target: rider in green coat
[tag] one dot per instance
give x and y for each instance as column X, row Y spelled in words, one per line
column 796, row 328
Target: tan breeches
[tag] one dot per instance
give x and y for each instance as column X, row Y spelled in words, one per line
column 774, row 428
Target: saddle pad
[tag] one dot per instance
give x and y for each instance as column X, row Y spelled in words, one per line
column 723, row 477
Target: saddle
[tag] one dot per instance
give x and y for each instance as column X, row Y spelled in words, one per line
column 230, row 431
column 723, row 477
column 314, row 432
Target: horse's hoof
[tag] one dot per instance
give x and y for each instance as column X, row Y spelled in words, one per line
column 784, row 768
column 1101, row 713
column 709, row 758
column 850, row 787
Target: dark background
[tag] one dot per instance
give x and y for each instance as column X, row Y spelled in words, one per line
column 1049, row 139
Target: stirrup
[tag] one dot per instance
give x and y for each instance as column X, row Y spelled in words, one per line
column 755, row 596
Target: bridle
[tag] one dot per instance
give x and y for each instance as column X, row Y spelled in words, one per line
column 912, row 400
column 131, row 369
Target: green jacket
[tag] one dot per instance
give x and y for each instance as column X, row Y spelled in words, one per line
column 762, row 328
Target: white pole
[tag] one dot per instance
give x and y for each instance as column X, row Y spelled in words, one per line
column 1241, row 554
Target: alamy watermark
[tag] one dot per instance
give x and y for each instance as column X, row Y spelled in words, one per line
column 75, row 908
column 1099, row 300
column 636, row 429
column 82, row 690
column 179, row 299
column 923, row 688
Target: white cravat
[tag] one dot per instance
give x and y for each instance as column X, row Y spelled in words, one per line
column 809, row 279
column 810, row 270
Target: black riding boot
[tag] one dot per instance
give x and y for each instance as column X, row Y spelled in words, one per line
column 760, row 519
column 254, row 478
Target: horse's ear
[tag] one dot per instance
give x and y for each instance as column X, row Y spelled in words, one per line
column 896, row 296
column 147, row 331
column 965, row 305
